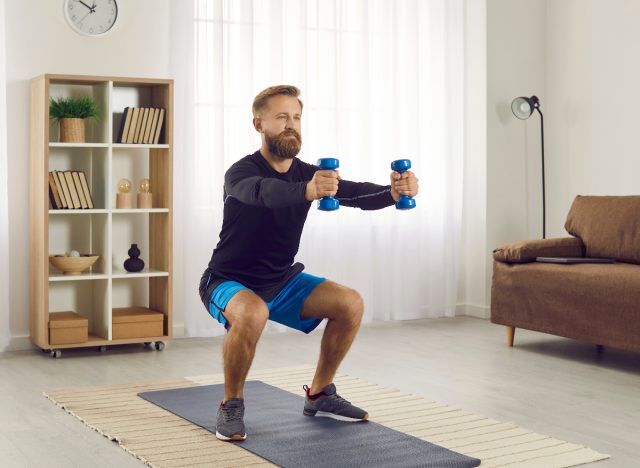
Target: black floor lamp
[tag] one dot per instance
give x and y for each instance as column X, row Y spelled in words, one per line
column 522, row 108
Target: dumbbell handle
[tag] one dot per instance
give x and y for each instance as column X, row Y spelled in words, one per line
column 401, row 166
column 328, row 203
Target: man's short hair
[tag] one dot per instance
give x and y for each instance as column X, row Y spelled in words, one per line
column 260, row 102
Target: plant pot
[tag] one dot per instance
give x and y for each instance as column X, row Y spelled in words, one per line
column 72, row 130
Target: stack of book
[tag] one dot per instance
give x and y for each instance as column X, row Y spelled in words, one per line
column 69, row 190
column 141, row 125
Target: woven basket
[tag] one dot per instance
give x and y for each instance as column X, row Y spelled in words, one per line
column 72, row 130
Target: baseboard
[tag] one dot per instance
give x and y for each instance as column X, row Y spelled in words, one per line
column 469, row 310
column 178, row 330
column 20, row 343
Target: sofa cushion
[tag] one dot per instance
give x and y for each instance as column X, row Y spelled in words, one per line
column 609, row 226
column 527, row 251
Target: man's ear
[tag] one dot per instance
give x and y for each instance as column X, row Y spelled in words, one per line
column 257, row 124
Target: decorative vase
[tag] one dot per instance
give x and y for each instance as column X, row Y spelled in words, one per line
column 133, row 263
column 72, row 130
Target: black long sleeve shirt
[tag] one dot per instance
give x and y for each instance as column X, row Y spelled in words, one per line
column 264, row 214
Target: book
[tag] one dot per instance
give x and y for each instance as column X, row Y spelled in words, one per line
column 54, row 197
column 62, row 183
column 154, row 124
column 63, row 197
column 72, row 190
column 132, row 125
column 145, row 124
column 78, row 185
column 141, row 118
column 124, row 125
column 158, row 131
column 147, row 129
column 85, row 189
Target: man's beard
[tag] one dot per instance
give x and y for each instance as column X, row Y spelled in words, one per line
column 284, row 146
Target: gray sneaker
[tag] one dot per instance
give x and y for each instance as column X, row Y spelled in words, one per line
column 229, row 424
column 329, row 404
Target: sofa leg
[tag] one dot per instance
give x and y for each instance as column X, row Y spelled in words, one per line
column 511, row 331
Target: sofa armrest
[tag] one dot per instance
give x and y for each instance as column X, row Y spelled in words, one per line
column 527, row 251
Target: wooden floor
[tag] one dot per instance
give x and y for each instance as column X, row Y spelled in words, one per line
column 550, row 385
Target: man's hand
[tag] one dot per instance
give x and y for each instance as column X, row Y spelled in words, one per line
column 323, row 184
column 403, row 184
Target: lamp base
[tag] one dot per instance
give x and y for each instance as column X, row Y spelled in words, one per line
column 145, row 200
column 124, row 200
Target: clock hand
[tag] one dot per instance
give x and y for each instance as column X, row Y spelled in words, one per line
column 89, row 7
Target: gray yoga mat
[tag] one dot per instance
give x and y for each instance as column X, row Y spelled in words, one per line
column 278, row 431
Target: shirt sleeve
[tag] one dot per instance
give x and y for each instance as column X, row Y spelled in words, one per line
column 244, row 184
column 364, row 195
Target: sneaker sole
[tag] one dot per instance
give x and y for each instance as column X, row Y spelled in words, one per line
column 337, row 417
column 232, row 438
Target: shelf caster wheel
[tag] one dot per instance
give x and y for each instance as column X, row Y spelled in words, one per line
column 159, row 345
column 147, row 344
column 102, row 348
column 56, row 353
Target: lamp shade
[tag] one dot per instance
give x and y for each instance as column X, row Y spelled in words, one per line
column 522, row 107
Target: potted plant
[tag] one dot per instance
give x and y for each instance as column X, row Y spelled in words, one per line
column 71, row 113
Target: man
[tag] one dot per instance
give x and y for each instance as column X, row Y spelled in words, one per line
column 251, row 277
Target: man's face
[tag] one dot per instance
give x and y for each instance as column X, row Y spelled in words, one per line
column 279, row 122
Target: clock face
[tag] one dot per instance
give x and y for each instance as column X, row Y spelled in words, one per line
column 91, row 17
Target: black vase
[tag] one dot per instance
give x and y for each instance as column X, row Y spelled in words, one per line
column 133, row 263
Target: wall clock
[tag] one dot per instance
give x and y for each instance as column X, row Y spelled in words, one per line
column 91, row 17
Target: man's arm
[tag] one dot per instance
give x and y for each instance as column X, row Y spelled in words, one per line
column 368, row 196
column 243, row 185
column 364, row 195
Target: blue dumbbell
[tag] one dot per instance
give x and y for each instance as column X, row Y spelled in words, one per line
column 328, row 203
column 405, row 202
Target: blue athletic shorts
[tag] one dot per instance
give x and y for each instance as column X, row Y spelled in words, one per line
column 285, row 308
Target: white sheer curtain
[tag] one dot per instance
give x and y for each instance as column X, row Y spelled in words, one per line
column 380, row 81
column 5, row 333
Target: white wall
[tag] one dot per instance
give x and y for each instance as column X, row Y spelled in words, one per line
column 592, row 119
column 39, row 41
column 578, row 57
column 515, row 67
column 472, row 296
column 505, row 58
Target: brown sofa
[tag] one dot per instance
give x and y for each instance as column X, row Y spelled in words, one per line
column 597, row 303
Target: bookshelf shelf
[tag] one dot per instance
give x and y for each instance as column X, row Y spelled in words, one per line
column 81, row 277
column 146, row 273
column 139, row 210
column 140, row 145
column 78, row 211
column 102, row 230
column 55, row 144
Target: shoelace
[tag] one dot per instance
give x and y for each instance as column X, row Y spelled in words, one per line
column 337, row 399
column 231, row 414
column 341, row 402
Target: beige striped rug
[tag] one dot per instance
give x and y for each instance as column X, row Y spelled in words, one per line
column 161, row 439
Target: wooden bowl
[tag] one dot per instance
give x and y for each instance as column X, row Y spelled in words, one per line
column 73, row 265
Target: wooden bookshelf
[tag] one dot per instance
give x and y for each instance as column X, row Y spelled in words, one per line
column 104, row 230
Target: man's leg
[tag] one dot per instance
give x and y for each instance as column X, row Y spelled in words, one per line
column 247, row 315
column 343, row 307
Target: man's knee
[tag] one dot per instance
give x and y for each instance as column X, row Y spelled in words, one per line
column 247, row 313
column 353, row 306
